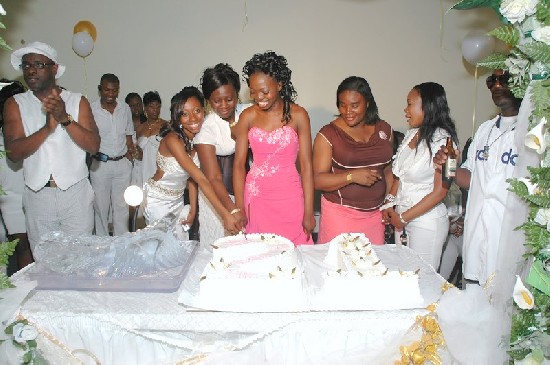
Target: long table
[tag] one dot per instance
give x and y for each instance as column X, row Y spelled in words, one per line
column 152, row 328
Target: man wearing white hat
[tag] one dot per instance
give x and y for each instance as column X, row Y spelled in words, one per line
column 51, row 130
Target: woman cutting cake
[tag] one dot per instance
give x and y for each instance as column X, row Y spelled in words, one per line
column 177, row 166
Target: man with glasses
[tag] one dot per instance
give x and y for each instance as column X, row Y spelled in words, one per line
column 111, row 169
column 51, row 129
column 490, row 161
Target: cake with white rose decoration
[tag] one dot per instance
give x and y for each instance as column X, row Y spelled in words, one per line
column 356, row 279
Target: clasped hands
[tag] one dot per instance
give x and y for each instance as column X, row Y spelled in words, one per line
column 55, row 106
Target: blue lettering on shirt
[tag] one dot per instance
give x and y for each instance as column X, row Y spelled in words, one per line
column 507, row 157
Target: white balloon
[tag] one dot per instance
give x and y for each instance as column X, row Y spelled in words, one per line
column 476, row 46
column 83, row 44
column 133, row 195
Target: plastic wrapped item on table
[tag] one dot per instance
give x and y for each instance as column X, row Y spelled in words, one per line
column 153, row 252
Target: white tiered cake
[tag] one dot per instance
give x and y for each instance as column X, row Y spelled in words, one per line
column 356, row 279
column 254, row 272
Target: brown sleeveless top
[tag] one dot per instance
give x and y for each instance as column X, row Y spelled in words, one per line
column 349, row 154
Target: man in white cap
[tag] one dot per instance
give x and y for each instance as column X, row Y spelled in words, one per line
column 51, row 130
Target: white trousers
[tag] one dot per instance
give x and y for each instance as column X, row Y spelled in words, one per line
column 426, row 237
column 109, row 180
column 452, row 250
column 53, row 209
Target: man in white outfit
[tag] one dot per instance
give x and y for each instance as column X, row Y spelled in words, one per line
column 111, row 168
column 491, row 160
column 50, row 129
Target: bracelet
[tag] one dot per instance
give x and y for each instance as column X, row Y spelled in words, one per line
column 402, row 220
column 349, row 177
column 236, row 210
column 389, row 198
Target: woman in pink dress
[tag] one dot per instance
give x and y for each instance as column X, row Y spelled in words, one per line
column 275, row 197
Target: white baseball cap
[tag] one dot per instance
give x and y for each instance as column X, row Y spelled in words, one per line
column 38, row 48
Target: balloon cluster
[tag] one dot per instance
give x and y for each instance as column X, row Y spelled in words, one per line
column 84, row 36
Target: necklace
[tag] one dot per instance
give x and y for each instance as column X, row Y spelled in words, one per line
column 150, row 125
column 487, row 145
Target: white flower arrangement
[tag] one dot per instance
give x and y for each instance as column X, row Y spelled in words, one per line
column 516, row 10
column 527, row 34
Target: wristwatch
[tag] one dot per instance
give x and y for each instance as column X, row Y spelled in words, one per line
column 69, row 121
column 349, row 177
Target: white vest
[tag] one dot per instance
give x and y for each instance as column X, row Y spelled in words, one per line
column 59, row 156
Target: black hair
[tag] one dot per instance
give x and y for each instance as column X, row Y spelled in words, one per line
column 359, row 84
column 109, row 78
column 176, row 111
column 215, row 77
column 134, row 95
column 436, row 113
column 7, row 92
column 276, row 67
column 151, row 96
column 131, row 96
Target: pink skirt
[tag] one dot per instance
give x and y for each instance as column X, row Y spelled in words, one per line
column 336, row 219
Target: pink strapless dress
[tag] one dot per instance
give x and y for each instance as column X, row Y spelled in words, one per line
column 273, row 195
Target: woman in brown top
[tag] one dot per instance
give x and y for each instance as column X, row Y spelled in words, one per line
column 352, row 165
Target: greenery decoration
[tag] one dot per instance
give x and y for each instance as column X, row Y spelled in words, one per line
column 3, row 43
column 526, row 32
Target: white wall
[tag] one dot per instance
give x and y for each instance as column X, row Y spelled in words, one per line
column 165, row 44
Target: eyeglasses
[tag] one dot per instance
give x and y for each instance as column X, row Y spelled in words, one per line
column 36, row 65
column 502, row 80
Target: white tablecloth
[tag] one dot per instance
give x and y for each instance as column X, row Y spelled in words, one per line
column 152, row 328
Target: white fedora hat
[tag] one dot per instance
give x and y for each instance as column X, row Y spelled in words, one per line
column 38, row 48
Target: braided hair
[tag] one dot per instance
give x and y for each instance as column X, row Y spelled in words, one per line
column 276, row 67
column 436, row 112
column 176, row 110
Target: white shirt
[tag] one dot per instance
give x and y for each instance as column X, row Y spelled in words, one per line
column 216, row 131
column 113, row 128
column 59, row 156
column 415, row 170
column 487, row 195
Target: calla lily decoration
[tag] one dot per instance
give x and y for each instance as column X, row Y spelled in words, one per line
column 531, row 188
column 522, row 296
column 535, row 138
column 543, row 217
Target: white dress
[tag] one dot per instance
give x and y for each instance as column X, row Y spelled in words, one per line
column 150, row 146
column 215, row 131
column 137, row 169
column 415, row 170
column 165, row 196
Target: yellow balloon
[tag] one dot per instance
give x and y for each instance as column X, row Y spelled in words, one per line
column 86, row 26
